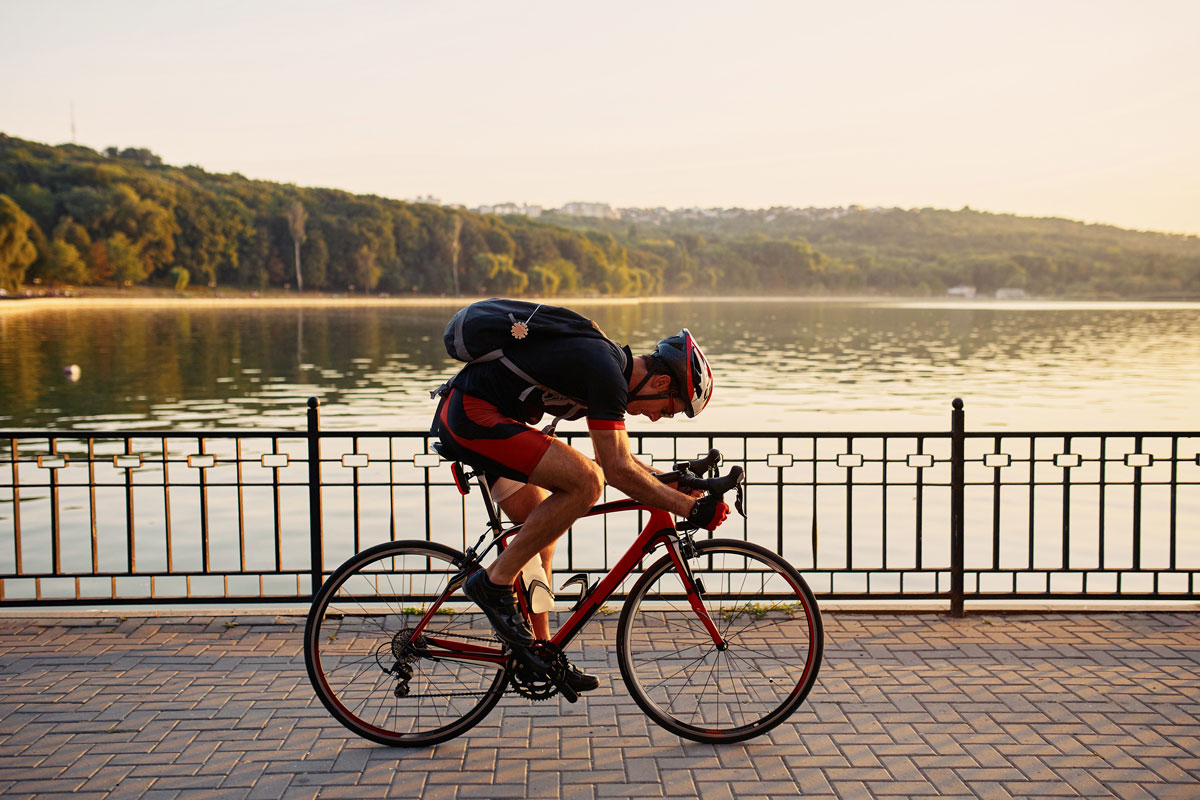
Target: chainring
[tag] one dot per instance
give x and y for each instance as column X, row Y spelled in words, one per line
column 533, row 684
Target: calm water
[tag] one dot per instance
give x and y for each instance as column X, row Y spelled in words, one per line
column 780, row 365
column 783, row 366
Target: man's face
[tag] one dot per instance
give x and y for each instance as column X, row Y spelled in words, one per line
column 655, row 408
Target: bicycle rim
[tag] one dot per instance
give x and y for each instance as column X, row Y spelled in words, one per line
column 358, row 658
column 769, row 621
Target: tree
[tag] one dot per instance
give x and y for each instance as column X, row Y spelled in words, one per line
column 16, row 247
column 64, row 264
column 502, row 277
column 366, row 269
column 454, row 231
column 181, row 277
column 317, row 258
column 123, row 259
column 210, row 227
column 296, row 218
column 554, row 276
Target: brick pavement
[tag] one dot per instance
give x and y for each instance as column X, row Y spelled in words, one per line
column 907, row 706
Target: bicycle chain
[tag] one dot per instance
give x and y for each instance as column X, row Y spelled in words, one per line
column 513, row 688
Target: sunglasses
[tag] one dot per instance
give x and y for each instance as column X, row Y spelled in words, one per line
column 669, row 397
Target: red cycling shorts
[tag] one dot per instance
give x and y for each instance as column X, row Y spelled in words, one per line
column 476, row 432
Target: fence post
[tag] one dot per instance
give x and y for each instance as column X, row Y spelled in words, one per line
column 315, row 533
column 957, row 490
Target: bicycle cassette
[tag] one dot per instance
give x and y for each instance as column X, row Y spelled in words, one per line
column 532, row 683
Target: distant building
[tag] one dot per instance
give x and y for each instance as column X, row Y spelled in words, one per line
column 1011, row 294
column 510, row 208
column 601, row 210
column 961, row 291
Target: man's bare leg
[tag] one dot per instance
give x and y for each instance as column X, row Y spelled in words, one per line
column 574, row 482
column 547, row 515
column 517, row 508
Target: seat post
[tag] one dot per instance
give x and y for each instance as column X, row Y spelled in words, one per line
column 492, row 509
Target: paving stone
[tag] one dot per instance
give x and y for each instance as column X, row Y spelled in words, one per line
column 907, row 705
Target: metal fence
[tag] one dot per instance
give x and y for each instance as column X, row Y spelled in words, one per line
column 165, row 517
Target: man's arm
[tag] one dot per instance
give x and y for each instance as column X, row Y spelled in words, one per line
column 624, row 472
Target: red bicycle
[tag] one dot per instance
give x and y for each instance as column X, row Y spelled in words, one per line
column 718, row 640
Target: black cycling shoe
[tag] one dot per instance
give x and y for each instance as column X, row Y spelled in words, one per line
column 500, row 605
column 579, row 680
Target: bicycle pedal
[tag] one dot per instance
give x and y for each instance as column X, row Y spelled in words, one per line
column 567, row 692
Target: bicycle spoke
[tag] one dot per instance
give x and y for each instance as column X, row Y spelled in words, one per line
column 688, row 684
column 751, row 688
column 361, row 661
column 674, row 654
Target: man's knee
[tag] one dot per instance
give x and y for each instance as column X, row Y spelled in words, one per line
column 590, row 481
column 566, row 470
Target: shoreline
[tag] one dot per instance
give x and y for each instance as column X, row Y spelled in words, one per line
column 143, row 301
column 12, row 304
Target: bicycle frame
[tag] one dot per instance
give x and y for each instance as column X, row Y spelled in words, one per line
column 658, row 531
column 708, row 663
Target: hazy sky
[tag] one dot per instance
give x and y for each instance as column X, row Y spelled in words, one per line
column 1085, row 110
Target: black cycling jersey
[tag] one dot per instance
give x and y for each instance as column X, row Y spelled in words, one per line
column 587, row 377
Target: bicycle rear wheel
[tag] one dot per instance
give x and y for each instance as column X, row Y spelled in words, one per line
column 366, row 670
column 771, row 627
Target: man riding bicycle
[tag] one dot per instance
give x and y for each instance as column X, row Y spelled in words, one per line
column 483, row 419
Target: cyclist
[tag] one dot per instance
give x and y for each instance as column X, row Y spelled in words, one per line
column 484, row 419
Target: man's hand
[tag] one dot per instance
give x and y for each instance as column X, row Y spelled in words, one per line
column 708, row 512
column 693, row 493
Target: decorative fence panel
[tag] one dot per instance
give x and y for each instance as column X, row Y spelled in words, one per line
column 250, row 517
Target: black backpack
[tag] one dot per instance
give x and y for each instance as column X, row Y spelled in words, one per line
column 484, row 330
column 492, row 330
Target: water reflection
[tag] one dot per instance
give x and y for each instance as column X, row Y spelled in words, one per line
column 781, row 365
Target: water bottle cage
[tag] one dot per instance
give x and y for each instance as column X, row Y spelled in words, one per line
column 579, row 579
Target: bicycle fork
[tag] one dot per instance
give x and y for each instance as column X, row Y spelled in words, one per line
column 680, row 550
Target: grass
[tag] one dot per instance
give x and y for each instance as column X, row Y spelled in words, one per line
column 760, row 610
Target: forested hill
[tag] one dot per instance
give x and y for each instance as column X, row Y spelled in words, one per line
column 927, row 251
column 69, row 214
column 72, row 215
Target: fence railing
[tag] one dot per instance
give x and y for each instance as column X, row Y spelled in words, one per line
column 165, row 517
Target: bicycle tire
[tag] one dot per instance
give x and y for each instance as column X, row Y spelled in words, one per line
column 353, row 644
column 769, row 620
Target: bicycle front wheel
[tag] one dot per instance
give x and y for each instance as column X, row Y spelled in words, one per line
column 769, row 652
column 362, row 660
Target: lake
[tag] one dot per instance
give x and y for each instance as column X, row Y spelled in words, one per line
column 780, row 365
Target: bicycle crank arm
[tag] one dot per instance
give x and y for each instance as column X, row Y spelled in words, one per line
column 566, row 691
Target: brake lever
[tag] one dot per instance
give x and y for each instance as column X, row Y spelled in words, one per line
column 707, row 465
column 740, row 500
column 715, row 460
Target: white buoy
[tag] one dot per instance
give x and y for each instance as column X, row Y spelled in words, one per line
column 71, row 372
